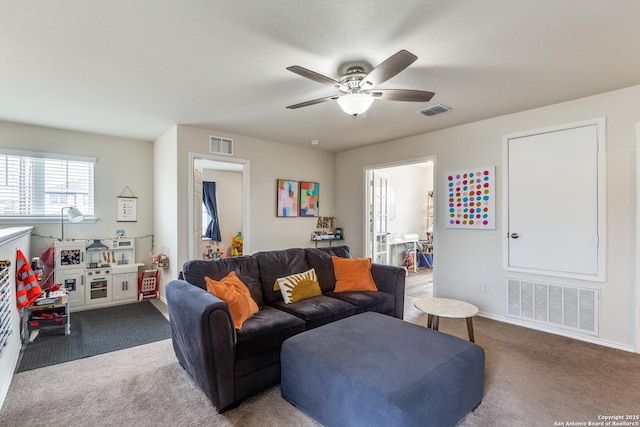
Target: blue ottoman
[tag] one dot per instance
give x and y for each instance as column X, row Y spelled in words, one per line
column 376, row 370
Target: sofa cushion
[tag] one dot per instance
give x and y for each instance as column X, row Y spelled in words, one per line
column 245, row 267
column 353, row 274
column 318, row 311
column 297, row 287
column 231, row 290
column 320, row 260
column 275, row 264
column 266, row 330
column 380, row 302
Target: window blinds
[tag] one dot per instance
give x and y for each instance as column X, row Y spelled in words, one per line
column 41, row 184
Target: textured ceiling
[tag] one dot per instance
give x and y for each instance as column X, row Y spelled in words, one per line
column 136, row 68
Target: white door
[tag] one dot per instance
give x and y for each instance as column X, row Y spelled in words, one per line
column 379, row 217
column 553, row 201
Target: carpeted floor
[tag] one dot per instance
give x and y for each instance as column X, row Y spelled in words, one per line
column 95, row 332
column 531, row 379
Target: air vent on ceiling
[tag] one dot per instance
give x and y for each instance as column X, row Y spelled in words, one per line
column 220, row 145
column 436, row 109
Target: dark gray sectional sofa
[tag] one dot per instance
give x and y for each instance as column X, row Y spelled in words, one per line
column 229, row 364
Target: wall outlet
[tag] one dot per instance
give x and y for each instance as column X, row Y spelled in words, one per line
column 485, row 288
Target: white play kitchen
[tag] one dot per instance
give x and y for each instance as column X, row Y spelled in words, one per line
column 97, row 273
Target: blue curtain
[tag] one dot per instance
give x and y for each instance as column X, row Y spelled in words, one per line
column 210, row 202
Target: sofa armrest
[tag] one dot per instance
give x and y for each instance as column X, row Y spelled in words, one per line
column 390, row 279
column 204, row 339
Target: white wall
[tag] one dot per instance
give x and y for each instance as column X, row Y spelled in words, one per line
column 411, row 184
column 229, row 196
column 165, row 177
column 467, row 258
column 269, row 161
column 120, row 163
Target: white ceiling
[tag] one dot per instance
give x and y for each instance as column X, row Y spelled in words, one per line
column 134, row 68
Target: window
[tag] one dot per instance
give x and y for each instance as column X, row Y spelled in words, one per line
column 39, row 185
column 206, row 219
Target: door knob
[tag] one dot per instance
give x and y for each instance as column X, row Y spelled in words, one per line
column 514, row 235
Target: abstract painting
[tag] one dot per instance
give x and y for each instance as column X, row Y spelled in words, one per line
column 287, row 198
column 471, row 199
column 309, row 198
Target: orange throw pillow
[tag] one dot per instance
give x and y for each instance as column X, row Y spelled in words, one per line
column 353, row 274
column 236, row 294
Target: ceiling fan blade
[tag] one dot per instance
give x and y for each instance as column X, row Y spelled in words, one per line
column 387, row 69
column 403, row 95
column 316, row 77
column 312, row 102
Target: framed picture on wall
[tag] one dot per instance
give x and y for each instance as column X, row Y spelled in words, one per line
column 127, row 209
column 287, row 198
column 309, row 198
column 472, row 199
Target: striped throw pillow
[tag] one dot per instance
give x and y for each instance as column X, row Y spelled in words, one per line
column 298, row 287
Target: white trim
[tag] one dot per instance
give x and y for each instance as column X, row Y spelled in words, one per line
column 365, row 212
column 42, row 220
column 600, row 124
column 563, row 333
column 246, row 198
column 45, row 155
column 637, row 248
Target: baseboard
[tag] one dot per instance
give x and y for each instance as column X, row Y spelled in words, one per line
column 568, row 334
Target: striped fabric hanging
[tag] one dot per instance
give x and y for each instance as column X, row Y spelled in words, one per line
column 27, row 286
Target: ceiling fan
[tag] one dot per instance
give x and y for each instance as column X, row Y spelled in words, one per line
column 357, row 88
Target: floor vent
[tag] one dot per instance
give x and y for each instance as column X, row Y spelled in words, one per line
column 436, row 109
column 555, row 305
column 220, row 145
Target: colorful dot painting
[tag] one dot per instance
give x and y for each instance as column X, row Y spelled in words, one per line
column 471, row 198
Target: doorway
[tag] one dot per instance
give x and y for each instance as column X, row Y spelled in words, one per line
column 399, row 214
column 234, row 174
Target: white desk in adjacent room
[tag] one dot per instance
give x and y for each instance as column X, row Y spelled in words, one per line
column 408, row 241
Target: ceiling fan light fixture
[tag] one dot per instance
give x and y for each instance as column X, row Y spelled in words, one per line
column 355, row 104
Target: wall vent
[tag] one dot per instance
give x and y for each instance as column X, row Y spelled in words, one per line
column 220, row 145
column 554, row 305
column 436, row 109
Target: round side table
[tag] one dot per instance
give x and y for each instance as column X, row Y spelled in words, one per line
column 445, row 307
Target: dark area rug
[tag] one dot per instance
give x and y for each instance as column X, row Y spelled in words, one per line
column 95, row 332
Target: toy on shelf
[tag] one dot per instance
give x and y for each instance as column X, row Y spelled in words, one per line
column 326, row 230
column 213, row 254
column 160, row 261
column 236, row 244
